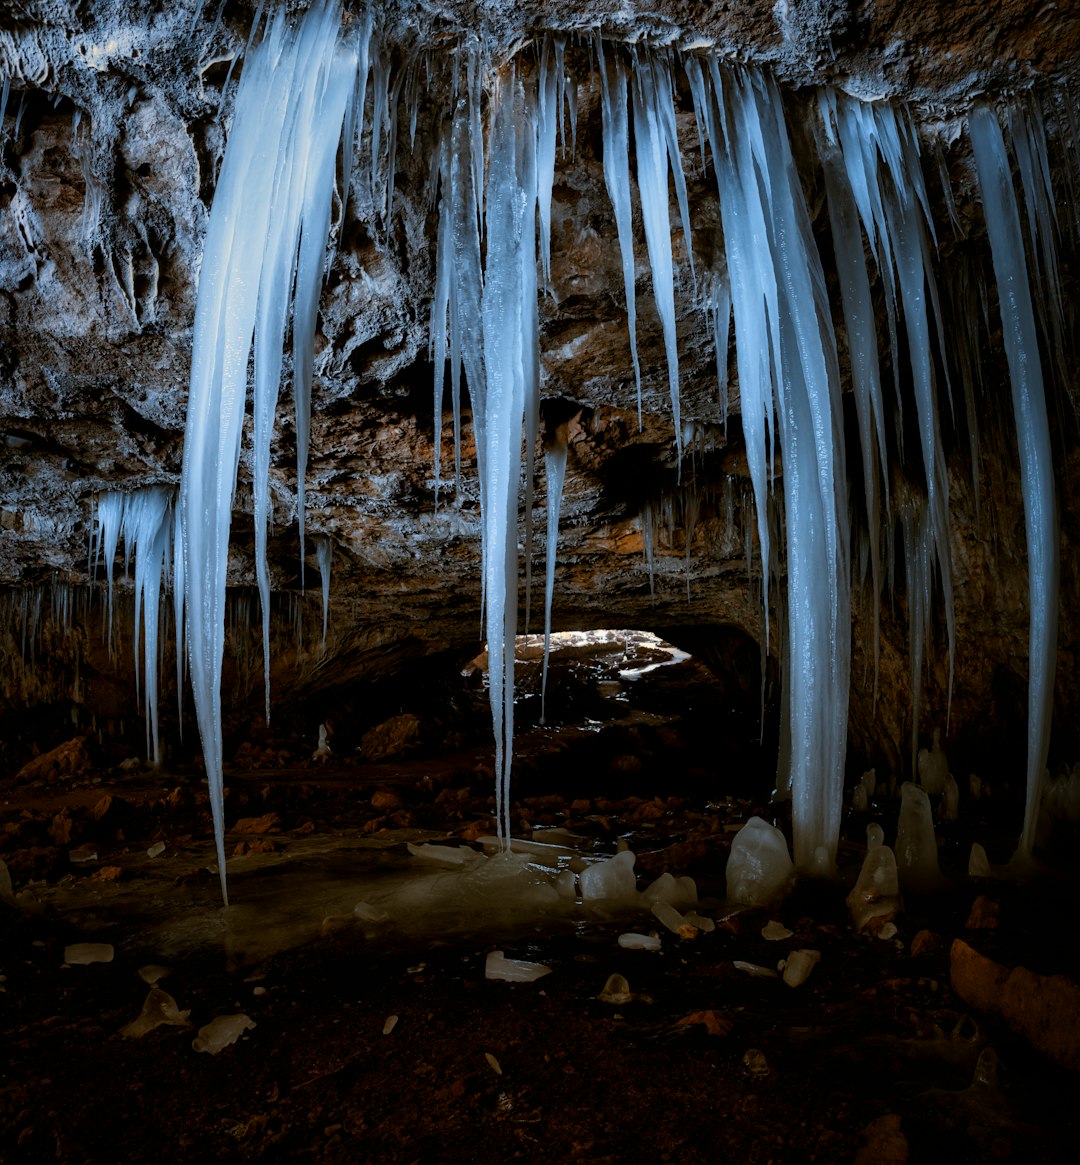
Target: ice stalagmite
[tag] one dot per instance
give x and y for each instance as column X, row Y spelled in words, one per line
column 266, row 235
column 1033, row 434
column 787, row 366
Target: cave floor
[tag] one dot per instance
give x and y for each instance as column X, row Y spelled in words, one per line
column 872, row 1059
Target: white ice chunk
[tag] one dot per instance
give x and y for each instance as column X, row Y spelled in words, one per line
column 876, row 894
column 639, row 942
column 612, row 880
column 933, row 767
column 798, row 966
column 219, row 1033
column 158, row 1010
column 978, row 863
column 759, row 868
column 513, row 970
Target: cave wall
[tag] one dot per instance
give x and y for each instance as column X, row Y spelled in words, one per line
column 116, row 120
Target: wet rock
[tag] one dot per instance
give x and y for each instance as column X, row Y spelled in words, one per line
column 70, row 759
column 985, row 914
column 392, row 738
column 925, row 942
column 882, row 1142
column 1045, row 1009
column 254, row 825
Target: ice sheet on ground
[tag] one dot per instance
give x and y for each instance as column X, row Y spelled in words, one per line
column 86, row 953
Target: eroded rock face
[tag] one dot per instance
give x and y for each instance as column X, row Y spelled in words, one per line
column 115, row 126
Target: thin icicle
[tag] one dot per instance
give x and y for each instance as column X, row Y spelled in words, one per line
column 656, row 148
column 617, row 179
column 1033, row 434
column 546, row 109
column 555, row 472
column 324, row 553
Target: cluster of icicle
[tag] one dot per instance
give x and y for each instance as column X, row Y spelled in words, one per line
column 145, row 521
column 303, row 86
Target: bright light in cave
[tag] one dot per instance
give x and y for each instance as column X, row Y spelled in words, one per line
column 641, row 651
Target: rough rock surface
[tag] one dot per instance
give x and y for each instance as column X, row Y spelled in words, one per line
column 116, row 120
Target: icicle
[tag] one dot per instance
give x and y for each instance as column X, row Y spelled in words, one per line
column 617, row 179
column 546, row 106
column 324, row 552
column 880, row 161
column 555, row 472
column 786, row 354
column 109, row 517
column 290, row 108
column 1033, row 433
column 510, row 324
column 657, row 147
column 718, row 308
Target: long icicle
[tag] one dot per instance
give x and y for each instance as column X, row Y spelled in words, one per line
column 1033, row 434
column 292, row 76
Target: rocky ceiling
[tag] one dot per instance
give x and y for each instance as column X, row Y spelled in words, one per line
column 115, row 123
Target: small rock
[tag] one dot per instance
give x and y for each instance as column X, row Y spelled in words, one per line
column 156, row 850
column 391, row 738
column 774, row 931
column 82, row 954
column 391, row 1023
column 882, row 1142
column 714, row 1022
column 985, row 914
column 83, row 854
column 385, row 800
column 755, row 1063
column 926, row 942
column 253, row 825
column 108, row 874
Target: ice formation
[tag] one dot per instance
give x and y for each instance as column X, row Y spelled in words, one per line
column 916, row 843
column 876, row 894
column 144, row 520
column 263, row 259
column 759, row 868
column 555, row 472
column 789, row 380
column 1029, row 406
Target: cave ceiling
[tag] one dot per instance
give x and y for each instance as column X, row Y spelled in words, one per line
column 116, row 120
